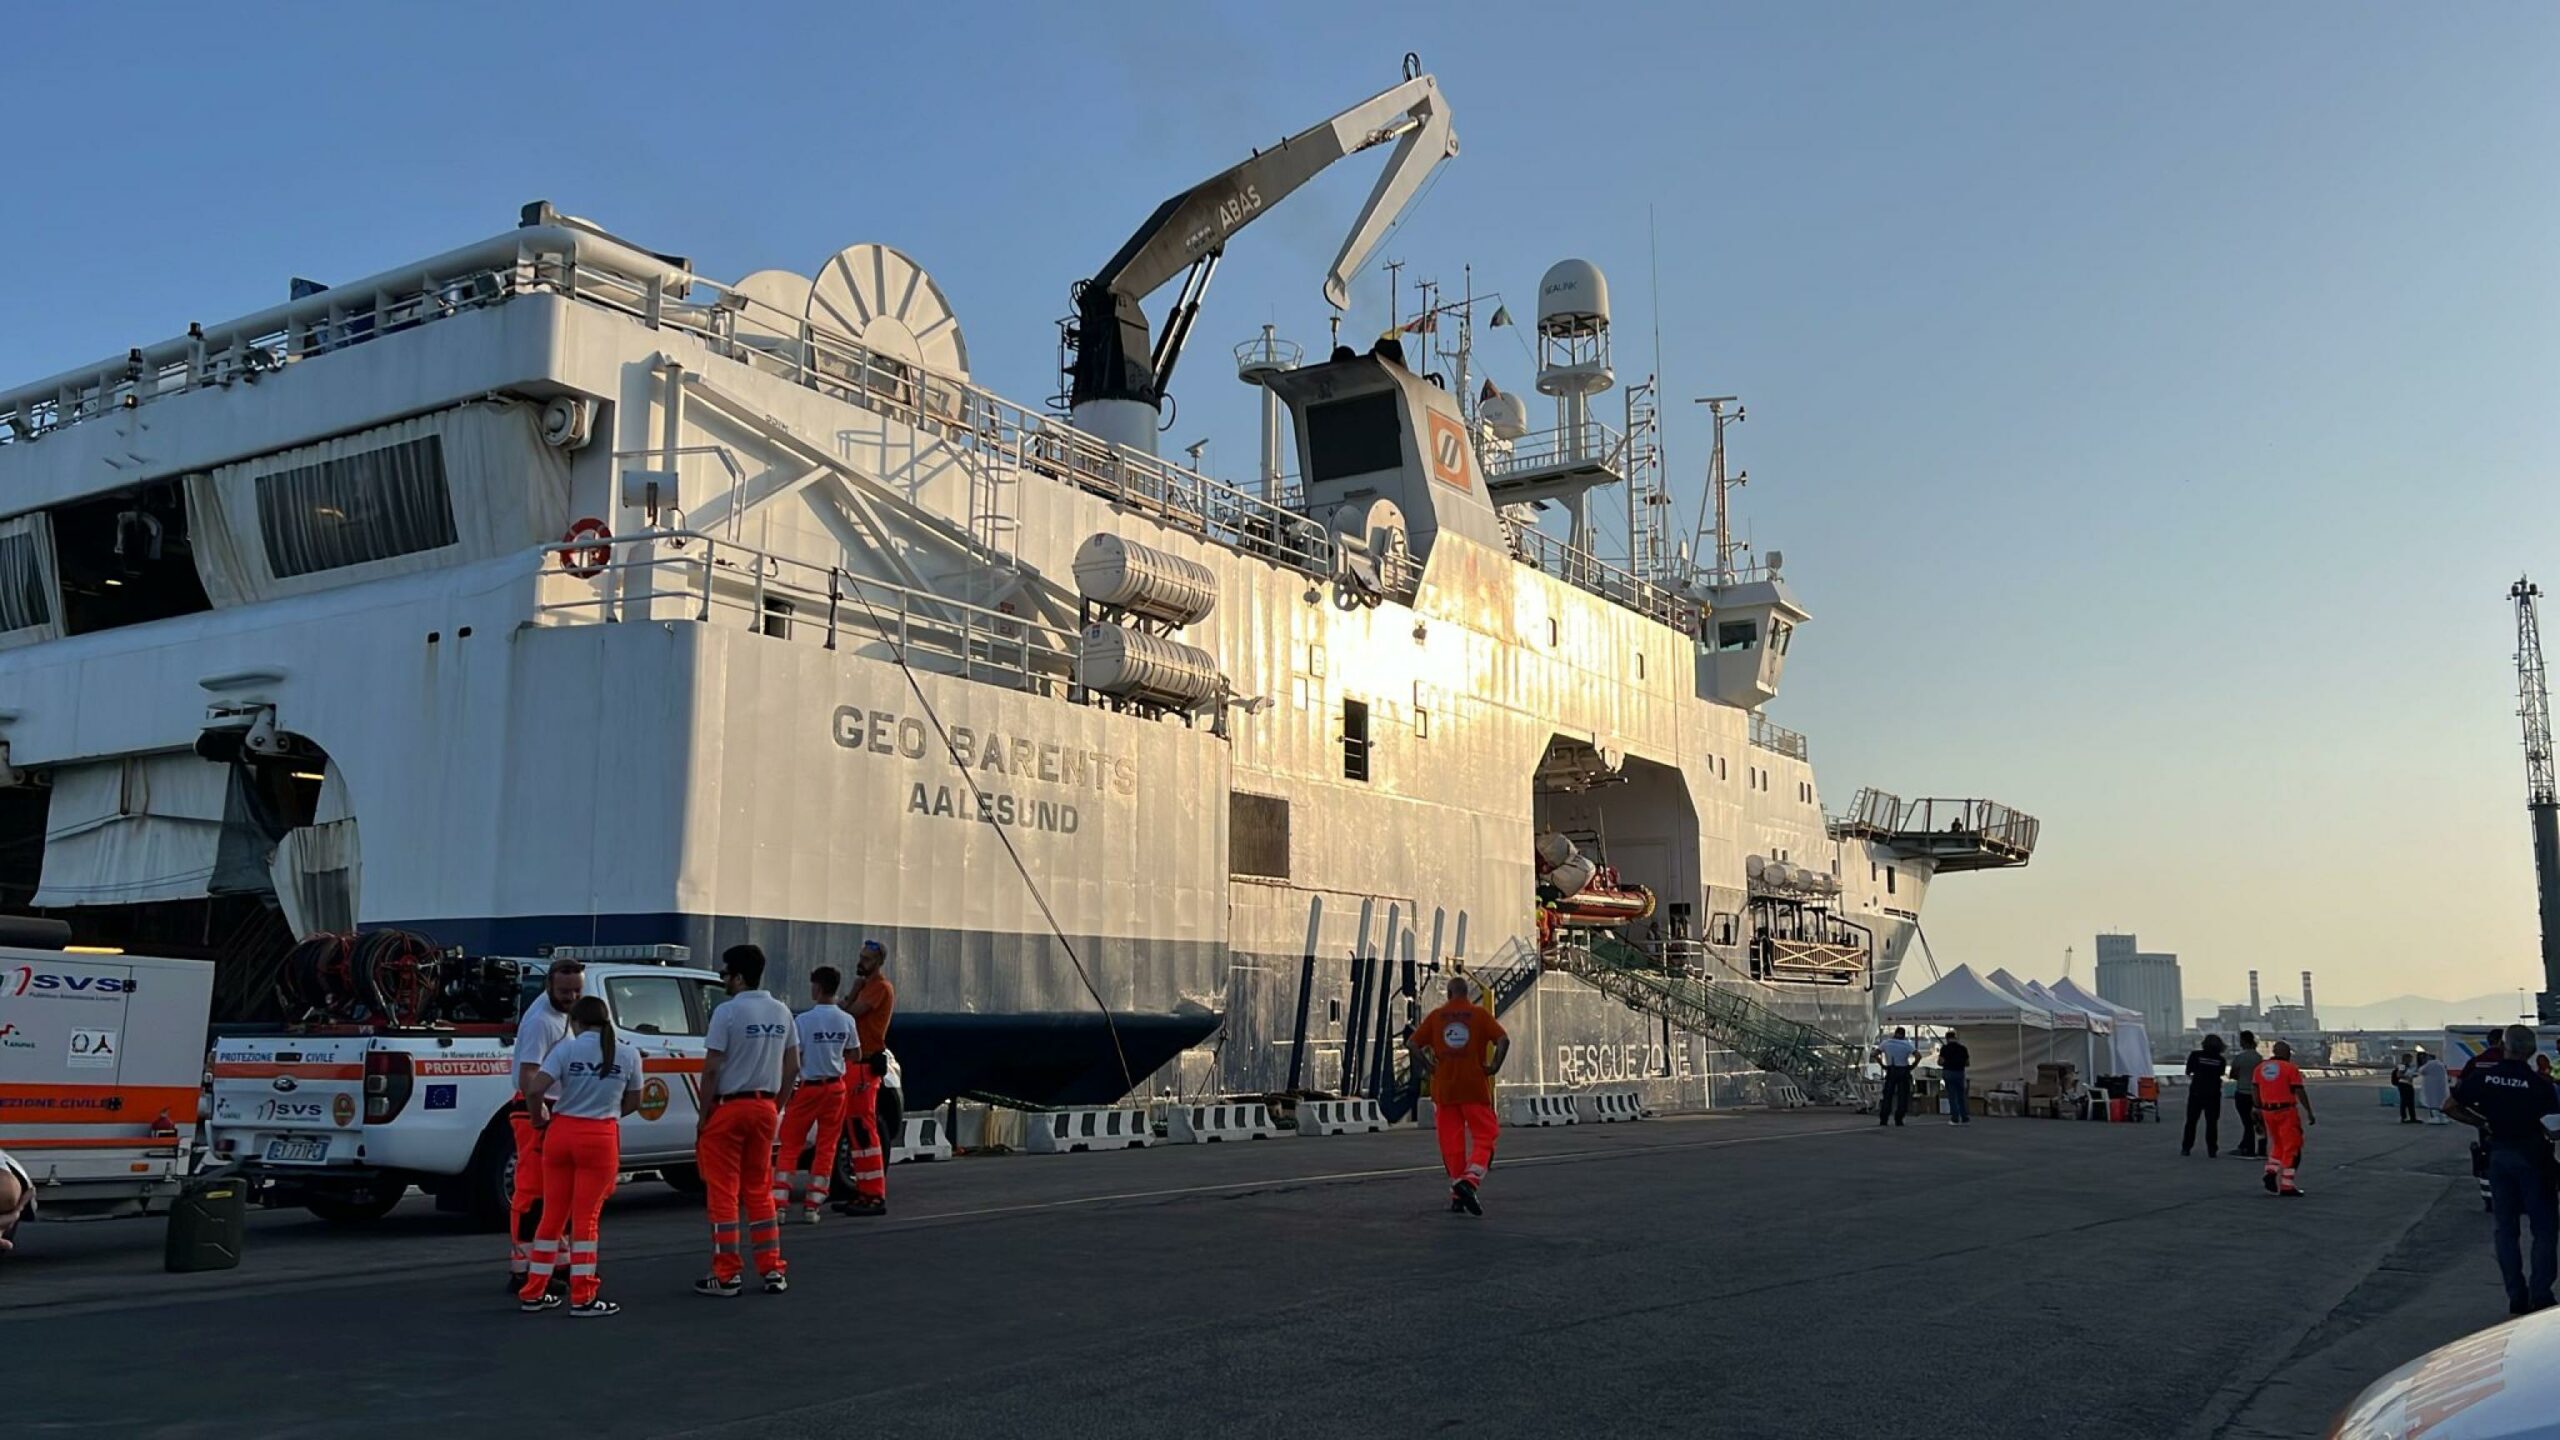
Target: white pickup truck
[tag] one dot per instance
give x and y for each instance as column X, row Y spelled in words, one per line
column 343, row 1120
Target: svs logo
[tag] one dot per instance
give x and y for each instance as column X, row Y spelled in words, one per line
column 28, row 980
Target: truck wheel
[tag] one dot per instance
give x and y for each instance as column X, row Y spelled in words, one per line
column 488, row 1187
column 359, row 1205
column 685, row 1180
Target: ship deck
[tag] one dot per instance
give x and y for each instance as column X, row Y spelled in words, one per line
column 1745, row 1274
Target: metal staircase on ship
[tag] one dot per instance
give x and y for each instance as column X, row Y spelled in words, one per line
column 1828, row 1069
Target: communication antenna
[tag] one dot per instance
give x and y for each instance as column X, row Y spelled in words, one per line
column 1719, row 486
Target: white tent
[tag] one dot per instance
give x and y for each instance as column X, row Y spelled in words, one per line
column 2086, row 1036
column 2007, row 1033
column 2132, row 1037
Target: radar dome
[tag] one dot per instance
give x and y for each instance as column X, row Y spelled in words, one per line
column 1503, row 413
column 1573, row 299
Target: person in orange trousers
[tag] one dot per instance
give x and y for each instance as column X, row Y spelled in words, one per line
column 1463, row 1047
column 544, row 1025
column 750, row 1062
column 813, row 1128
column 580, row 1092
column 874, row 1001
column 2284, row 1107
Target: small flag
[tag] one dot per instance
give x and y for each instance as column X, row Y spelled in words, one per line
column 1501, row 315
column 1423, row 324
column 1489, row 393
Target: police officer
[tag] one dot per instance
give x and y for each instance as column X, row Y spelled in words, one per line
column 544, row 1026
column 2512, row 1103
column 2492, row 1050
column 750, row 1062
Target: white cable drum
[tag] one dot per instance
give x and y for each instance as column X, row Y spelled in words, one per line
column 1755, row 866
column 1146, row 582
column 1151, row 669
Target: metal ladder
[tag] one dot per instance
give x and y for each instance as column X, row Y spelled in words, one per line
column 1827, row 1067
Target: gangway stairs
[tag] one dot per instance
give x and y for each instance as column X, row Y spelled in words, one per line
column 1828, row 1068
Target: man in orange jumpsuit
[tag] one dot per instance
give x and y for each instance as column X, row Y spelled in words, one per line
column 813, row 1127
column 2284, row 1106
column 750, row 1062
column 1463, row 1047
column 544, row 1025
column 874, row 1001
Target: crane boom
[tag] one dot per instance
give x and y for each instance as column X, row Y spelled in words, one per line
column 2542, row 796
column 1118, row 379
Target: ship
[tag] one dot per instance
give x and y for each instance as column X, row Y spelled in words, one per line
column 550, row 591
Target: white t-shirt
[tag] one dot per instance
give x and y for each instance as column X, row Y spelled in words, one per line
column 1898, row 1052
column 540, row 1031
column 589, row 1089
column 750, row 1030
column 826, row 1032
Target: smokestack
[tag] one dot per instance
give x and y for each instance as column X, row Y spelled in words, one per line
column 2306, row 995
column 2253, row 994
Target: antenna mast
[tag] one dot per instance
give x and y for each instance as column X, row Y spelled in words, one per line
column 1719, row 484
column 2542, row 796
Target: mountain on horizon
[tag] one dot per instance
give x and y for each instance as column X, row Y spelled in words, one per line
column 2423, row 1012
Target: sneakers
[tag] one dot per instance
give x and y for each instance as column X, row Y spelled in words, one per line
column 515, row 1280
column 775, row 1282
column 548, row 1301
column 715, row 1286
column 2270, row 1178
column 2290, row 1192
column 809, row 1216
column 1456, row 1205
column 868, row 1207
column 594, row 1309
column 1464, row 1193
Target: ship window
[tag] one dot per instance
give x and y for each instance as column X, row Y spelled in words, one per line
column 1555, row 631
column 23, row 601
column 1257, row 835
column 1888, row 879
column 1355, row 740
column 1360, row 435
column 371, row 505
column 1639, row 664
column 125, row 559
column 1737, row 634
column 777, row 617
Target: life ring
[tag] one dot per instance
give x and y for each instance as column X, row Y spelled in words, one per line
column 589, row 549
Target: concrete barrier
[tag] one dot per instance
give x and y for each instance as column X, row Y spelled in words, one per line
column 1213, row 1120
column 920, row 1138
column 1340, row 1117
column 1608, row 1107
column 1090, row 1127
column 1540, row 1110
column 1786, row 1094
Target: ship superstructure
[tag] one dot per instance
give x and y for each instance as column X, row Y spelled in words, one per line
column 549, row 591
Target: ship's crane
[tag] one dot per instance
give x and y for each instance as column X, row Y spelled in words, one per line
column 1116, row 381
column 2542, row 796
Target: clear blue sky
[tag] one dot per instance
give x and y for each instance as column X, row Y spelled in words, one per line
column 2153, row 402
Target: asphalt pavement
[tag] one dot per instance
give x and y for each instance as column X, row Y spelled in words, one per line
column 1744, row 1274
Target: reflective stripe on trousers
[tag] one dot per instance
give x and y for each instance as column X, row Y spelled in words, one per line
column 736, row 1159
column 581, row 1158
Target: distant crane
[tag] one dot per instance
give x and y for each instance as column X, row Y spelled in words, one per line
column 2542, row 794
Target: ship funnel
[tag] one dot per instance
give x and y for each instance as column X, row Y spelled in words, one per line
column 1257, row 361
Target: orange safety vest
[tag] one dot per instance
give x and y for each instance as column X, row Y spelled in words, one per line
column 2277, row 1080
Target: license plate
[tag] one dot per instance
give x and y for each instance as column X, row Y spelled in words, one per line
column 297, row 1150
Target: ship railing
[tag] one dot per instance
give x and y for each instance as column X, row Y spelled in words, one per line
column 664, row 295
column 677, row 575
column 1590, row 444
column 974, row 421
column 1586, row 571
column 1769, row 735
column 1881, row 814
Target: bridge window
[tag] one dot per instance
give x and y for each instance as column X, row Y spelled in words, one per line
column 1737, row 634
column 777, row 617
column 1355, row 740
column 1780, row 632
column 24, row 597
column 1360, row 435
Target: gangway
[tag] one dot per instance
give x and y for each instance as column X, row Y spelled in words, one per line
column 1828, row 1068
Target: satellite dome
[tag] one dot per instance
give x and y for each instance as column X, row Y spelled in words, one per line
column 1573, row 299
